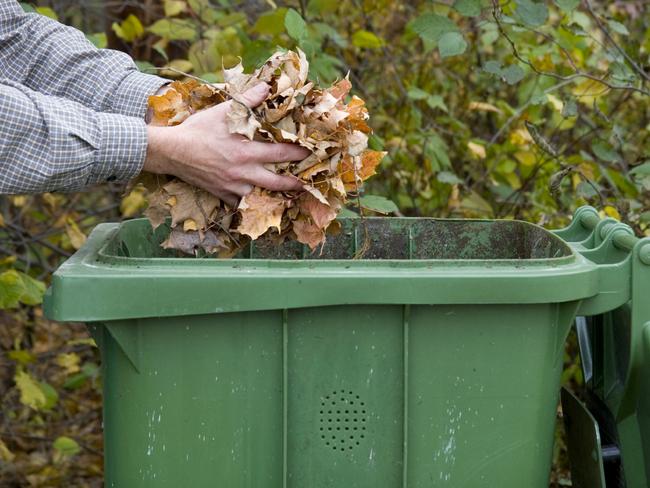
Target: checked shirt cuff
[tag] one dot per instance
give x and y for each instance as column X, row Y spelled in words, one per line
column 122, row 150
column 132, row 94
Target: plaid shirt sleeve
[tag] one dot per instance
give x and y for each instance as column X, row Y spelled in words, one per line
column 72, row 115
column 54, row 144
column 55, row 59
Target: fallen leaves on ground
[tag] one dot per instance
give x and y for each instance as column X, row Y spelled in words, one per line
column 327, row 121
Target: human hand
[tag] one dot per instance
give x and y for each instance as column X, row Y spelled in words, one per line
column 202, row 152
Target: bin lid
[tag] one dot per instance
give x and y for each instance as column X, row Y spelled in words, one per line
column 122, row 272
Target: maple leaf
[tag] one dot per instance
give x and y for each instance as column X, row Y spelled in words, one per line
column 170, row 105
column 320, row 211
column 260, row 211
column 308, row 233
column 157, row 211
column 295, row 111
column 191, row 203
column 241, row 120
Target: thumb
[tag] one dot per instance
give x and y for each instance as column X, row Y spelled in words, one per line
column 254, row 96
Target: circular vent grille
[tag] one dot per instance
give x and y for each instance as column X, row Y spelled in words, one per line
column 342, row 420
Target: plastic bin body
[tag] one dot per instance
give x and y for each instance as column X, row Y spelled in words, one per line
column 433, row 362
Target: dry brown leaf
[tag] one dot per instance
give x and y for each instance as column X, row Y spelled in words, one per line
column 158, row 210
column 321, row 213
column 295, row 111
column 260, row 211
column 308, row 233
column 190, row 203
column 242, row 120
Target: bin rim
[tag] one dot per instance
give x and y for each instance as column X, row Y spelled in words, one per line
column 569, row 256
column 127, row 289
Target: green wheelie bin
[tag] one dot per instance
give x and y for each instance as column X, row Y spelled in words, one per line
column 432, row 361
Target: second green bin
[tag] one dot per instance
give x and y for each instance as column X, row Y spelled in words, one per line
column 434, row 361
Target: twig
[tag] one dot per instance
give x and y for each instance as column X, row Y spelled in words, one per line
column 609, row 37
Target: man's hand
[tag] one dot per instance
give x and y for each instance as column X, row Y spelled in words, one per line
column 201, row 151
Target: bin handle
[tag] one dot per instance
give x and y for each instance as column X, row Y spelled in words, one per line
column 623, row 241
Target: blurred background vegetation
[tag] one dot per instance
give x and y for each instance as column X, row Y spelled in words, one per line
column 487, row 108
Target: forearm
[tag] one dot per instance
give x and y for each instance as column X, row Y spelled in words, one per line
column 53, row 144
column 54, row 59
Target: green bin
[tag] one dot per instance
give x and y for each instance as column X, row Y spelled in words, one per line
column 433, row 361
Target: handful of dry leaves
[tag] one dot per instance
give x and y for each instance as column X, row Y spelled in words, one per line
column 295, row 111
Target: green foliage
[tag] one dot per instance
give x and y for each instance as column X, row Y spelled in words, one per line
column 378, row 204
column 17, row 287
column 525, row 110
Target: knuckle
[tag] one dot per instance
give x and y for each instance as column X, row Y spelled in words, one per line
column 238, row 155
column 234, row 173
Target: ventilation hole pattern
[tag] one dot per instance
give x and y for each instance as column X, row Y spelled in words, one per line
column 342, row 420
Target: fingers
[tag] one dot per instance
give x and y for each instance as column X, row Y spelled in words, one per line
column 231, row 199
column 241, row 189
column 254, row 96
column 266, row 179
column 267, row 152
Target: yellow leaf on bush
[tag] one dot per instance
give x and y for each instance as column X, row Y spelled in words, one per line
column 484, row 107
column 21, row 356
column 5, row 454
column 520, row 137
column 174, row 7
column 19, row 200
column 30, row 391
column 68, row 361
column 527, row 158
column 72, row 230
column 610, row 211
column 177, row 67
column 133, row 203
column 588, row 91
column 477, row 150
column 129, row 29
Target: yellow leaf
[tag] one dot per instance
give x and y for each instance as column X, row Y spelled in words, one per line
column 51, row 200
column 526, row 158
column 7, row 260
column 172, row 201
column 129, row 29
column 2, row 220
column 189, row 225
column 589, row 91
column 77, row 238
column 474, row 205
column 182, row 65
column 133, row 203
column 69, row 362
column 174, row 7
column 19, row 200
column 520, row 137
column 555, row 102
column 21, row 356
column 477, row 150
column 30, row 392
column 484, row 107
column 610, row 211
column 5, row 454
column 87, row 342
